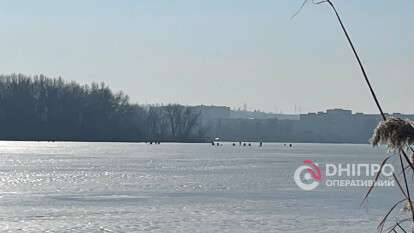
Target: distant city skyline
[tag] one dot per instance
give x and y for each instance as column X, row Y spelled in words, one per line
column 227, row 52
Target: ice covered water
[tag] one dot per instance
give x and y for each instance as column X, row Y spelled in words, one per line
column 127, row 187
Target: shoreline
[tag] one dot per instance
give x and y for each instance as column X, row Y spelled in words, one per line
column 190, row 141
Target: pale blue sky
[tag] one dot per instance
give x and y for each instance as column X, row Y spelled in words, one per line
column 223, row 52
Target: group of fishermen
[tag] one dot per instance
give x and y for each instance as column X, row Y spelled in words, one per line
column 213, row 143
column 154, row 142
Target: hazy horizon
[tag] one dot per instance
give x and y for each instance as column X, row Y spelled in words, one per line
column 217, row 52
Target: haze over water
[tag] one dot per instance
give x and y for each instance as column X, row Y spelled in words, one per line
column 121, row 187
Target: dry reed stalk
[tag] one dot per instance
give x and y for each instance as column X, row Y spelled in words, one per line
column 394, row 132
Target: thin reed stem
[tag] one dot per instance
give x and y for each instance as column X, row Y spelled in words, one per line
column 356, row 56
column 401, row 152
column 406, row 187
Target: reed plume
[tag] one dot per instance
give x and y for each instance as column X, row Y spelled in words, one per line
column 396, row 133
column 393, row 132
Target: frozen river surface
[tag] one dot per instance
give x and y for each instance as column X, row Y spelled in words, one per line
column 121, row 187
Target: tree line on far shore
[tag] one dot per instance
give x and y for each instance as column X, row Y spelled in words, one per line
column 42, row 108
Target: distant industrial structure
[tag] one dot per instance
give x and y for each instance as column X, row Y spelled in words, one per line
column 332, row 126
column 224, row 112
